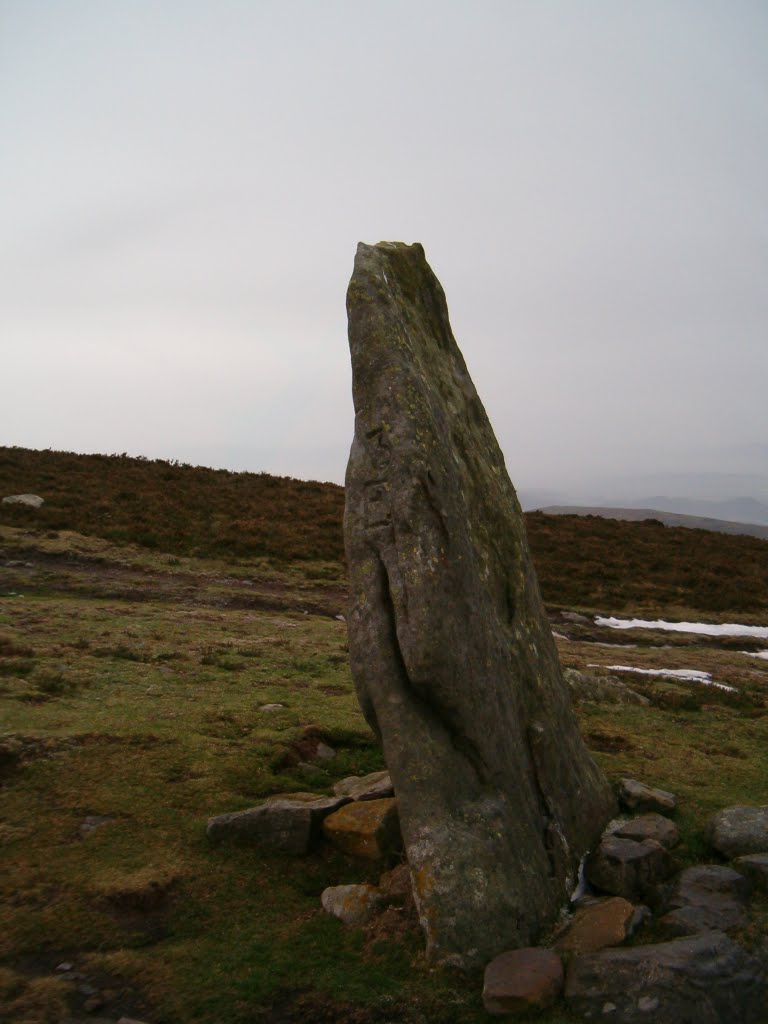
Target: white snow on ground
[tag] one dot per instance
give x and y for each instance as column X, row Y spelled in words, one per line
column 691, row 675
column 708, row 628
column 756, row 654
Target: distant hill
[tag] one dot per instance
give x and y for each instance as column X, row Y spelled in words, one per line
column 583, row 561
column 667, row 518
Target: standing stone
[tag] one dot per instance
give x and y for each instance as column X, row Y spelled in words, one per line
column 451, row 651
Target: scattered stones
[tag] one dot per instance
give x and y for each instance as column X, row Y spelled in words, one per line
column 352, row 904
column 706, row 979
column 739, row 830
column 376, row 786
column 636, row 796
column 704, row 898
column 650, row 826
column 601, row 689
column 323, row 752
column 607, row 922
column 755, row 867
column 623, row 867
column 283, row 823
column 522, row 980
column 271, row 707
column 369, row 829
column 499, row 797
column 576, row 617
column 30, row 500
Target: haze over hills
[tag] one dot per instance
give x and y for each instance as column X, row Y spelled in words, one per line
column 667, row 518
column 717, row 497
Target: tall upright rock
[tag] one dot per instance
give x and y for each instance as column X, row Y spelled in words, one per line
column 451, row 650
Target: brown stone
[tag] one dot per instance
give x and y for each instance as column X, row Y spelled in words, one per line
column 450, row 647
column 369, row 829
column 605, row 923
column 522, row 980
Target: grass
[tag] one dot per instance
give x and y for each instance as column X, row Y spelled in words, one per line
column 132, row 686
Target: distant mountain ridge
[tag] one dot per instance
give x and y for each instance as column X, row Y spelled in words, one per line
column 739, row 510
column 667, row 518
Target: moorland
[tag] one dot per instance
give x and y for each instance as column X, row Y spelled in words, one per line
column 150, row 612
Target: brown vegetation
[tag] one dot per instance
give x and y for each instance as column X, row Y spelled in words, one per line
column 582, row 561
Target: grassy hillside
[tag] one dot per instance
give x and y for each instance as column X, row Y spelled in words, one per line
column 144, row 688
column 582, row 561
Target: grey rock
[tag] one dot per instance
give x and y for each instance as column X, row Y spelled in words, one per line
column 623, row 867
column 30, row 500
column 324, row 753
column 703, row 898
column 636, row 796
column 576, row 617
column 352, row 904
column 650, row 826
column 451, row 651
column 287, row 824
column 376, row 786
column 601, row 689
column 755, row 867
column 739, row 830
column 704, row 979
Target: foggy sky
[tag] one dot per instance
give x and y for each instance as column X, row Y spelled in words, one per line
column 183, row 185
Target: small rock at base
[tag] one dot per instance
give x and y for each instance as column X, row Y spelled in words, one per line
column 376, row 786
column 623, row 867
column 521, row 980
column 366, row 828
column 650, row 826
column 636, row 796
column 352, row 904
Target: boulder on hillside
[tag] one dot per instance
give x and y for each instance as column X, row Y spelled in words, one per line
column 450, row 647
column 30, row 500
column 601, row 689
column 737, row 830
column 352, row 904
column 705, row 979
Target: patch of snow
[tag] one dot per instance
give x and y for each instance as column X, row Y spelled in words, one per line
column 560, row 636
column 708, row 628
column 691, row 675
column 756, row 654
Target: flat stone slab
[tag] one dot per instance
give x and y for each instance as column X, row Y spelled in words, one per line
column 623, row 867
column 376, row 786
column 352, row 904
column 636, row 796
column 703, row 898
column 755, row 867
column 607, row 922
column 287, row 824
column 704, row 979
column 369, row 829
column 522, row 980
column 738, row 830
column 651, row 826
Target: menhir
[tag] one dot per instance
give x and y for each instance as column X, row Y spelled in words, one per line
column 452, row 655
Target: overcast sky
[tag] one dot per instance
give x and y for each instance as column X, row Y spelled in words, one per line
column 183, row 184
